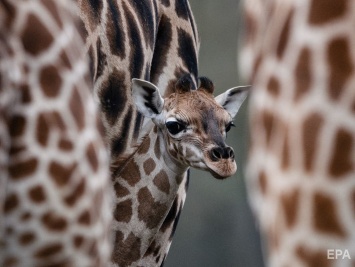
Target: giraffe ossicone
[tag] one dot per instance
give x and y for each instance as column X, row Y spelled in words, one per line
column 194, row 123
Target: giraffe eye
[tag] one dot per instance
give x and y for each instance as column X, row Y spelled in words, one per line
column 229, row 126
column 175, row 127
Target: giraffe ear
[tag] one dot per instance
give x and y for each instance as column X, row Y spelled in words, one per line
column 232, row 99
column 147, row 98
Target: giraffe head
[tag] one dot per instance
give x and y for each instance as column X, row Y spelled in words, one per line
column 194, row 123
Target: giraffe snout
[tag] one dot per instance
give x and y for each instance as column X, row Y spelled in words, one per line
column 218, row 153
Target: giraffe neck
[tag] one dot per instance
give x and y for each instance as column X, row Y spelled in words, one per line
column 145, row 194
column 301, row 161
column 153, row 40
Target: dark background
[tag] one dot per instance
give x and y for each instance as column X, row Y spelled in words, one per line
column 216, row 228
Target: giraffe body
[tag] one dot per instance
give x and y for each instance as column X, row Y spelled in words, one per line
column 299, row 56
column 53, row 162
column 153, row 40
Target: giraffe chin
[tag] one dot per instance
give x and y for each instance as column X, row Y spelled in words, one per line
column 222, row 169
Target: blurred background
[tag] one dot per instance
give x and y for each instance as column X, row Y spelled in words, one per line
column 216, row 227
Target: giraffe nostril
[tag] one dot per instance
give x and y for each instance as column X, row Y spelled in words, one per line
column 216, row 154
column 230, row 152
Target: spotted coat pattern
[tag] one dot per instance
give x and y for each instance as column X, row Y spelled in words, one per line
column 300, row 58
column 155, row 40
column 53, row 163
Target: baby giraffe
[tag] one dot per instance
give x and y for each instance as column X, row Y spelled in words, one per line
column 190, row 128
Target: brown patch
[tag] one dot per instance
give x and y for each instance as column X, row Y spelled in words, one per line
column 37, row 194
column 120, row 190
column 161, row 181
column 131, row 173
column 157, row 151
column 52, row 8
column 311, row 129
column 54, row 222
column 25, row 94
column 26, row 216
column 9, row 230
column 65, row 59
column 47, row 121
column 149, row 166
column 325, row 11
column 263, row 183
column 149, row 211
column 325, row 216
column 77, row 193
column 78, row 240
column 57, row 120
column 50, row 81
column 26, row 238
column 123, row 211
column 10, row 261
column 130, row 247
column 23, row 169
column 341, row 162
column 77, row 108
column 92, row 157
column 172, row 218
column 10, row 15
column 35, row 37
column 250, row 27
column 303, row 73
column 290, row 205
column 42, row 129
column 65, row 144
column 312, row 258
column 61, row 174
column 285, row 161
column 11, row 203
column 273, row 86
column 144, row 148
column 48, row 250
column 15, row 150
column 269, row 124
column 341, row 66
column 152, row 249
column 85, row 218
column 285, row 36
column 17, row 126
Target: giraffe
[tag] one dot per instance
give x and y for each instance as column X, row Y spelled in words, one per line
column 54, row 175
column 155, row 40
column 299, row 56
column 190, row 128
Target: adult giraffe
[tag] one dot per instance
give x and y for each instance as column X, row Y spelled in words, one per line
column 54, row 206
column 300, row 58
